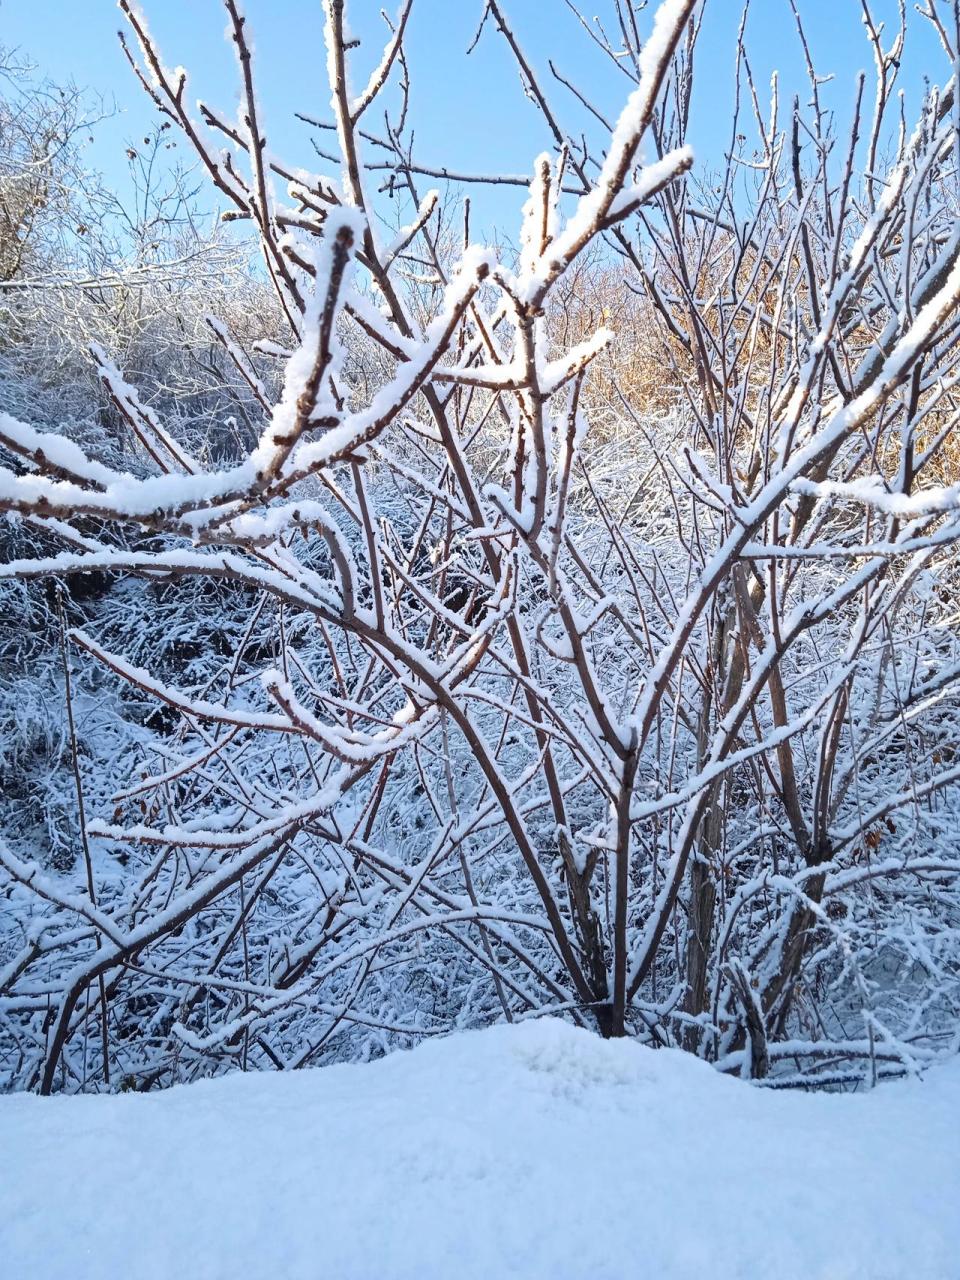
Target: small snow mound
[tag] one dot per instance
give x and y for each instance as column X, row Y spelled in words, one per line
column 580, row 1061
column 535, row 1151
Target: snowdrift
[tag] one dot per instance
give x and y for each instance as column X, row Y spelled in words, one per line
column 535, row 1151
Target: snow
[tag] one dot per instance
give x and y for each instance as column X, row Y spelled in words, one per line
column 873, row 493
column 534, row 1150
column 53, row 450
column 361, row 427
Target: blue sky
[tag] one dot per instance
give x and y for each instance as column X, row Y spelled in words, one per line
column 469, row 112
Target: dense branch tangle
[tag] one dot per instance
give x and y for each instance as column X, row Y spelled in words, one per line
column 555, row 719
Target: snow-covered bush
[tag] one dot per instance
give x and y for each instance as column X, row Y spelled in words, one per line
column 483, row 682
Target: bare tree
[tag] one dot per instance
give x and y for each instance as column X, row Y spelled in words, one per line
column 545, row 722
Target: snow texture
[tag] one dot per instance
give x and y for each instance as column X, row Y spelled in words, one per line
column 535, row 1150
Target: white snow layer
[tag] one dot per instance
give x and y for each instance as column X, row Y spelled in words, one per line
column 534, row 1151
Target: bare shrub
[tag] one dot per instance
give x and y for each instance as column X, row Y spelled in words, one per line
column 651, row 724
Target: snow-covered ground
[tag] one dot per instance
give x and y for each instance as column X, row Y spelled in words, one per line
column 535, row 1151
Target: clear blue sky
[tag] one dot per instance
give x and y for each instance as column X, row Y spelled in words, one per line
column 469, row 112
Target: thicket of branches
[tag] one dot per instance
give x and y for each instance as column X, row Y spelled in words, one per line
column 427, row 653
